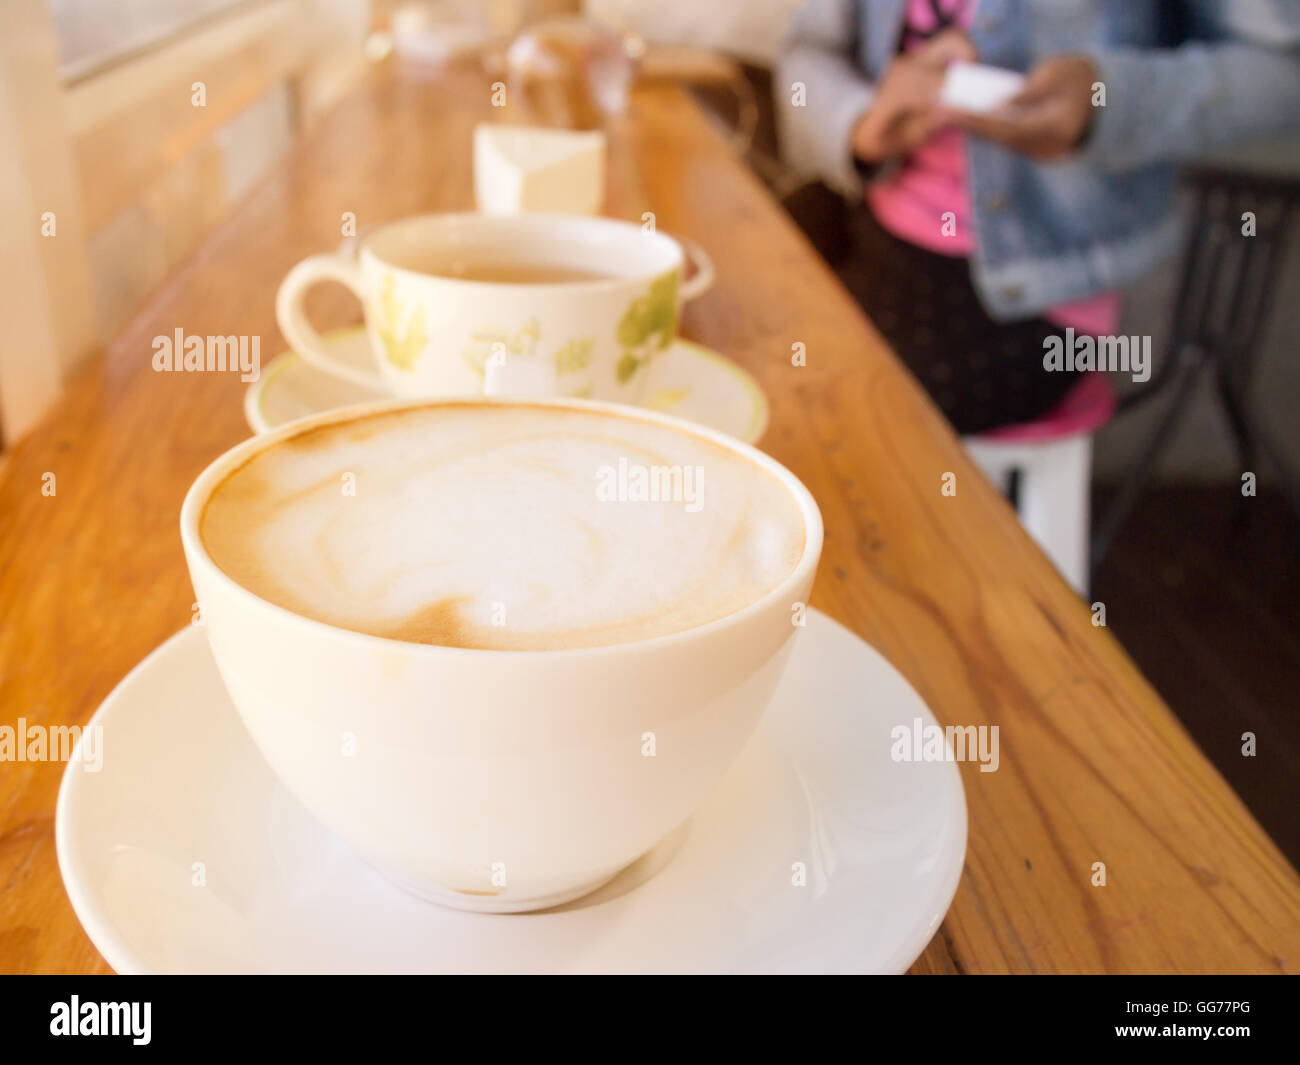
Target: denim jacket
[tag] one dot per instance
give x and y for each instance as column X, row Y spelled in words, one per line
column 1182, row 78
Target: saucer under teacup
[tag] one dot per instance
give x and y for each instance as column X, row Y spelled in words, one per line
column 686, row 379
column 817, row 852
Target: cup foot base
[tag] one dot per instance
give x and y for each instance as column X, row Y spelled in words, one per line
column 476, row 902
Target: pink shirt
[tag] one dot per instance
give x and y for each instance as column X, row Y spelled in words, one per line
column 931, row 181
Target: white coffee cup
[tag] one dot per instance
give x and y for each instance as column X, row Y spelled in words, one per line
column 540, row 752
column 435, row 334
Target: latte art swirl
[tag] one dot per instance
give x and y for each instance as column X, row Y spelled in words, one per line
column 494, row 526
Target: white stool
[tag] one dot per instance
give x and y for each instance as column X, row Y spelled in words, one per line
column 1053, row 457
column 1052, row 494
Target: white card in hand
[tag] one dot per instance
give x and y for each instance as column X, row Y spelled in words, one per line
column 977, row 88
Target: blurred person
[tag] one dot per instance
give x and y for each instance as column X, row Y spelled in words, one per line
column 975, row 239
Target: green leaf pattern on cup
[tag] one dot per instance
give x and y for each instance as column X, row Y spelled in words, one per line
column 647, row 326
column 483, row 342
column 400, row 349
column 667, row 399
column 574, row 357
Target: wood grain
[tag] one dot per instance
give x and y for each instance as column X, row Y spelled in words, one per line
column 1094, row 767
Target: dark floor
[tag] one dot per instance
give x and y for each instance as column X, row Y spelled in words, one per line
column 1203, row 588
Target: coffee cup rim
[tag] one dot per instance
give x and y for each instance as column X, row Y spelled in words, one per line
column 216, row 472
column 532, row 220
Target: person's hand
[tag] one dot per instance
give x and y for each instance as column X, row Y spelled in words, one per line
column 905, row 109
column 1050, row 116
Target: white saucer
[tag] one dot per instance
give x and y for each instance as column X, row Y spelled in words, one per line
column 883, row 844
column 686, row 379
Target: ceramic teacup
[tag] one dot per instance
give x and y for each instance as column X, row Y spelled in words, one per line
column 470, row 304
column 437, row 762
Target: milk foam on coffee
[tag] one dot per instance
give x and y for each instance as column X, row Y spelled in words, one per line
column 503, row 526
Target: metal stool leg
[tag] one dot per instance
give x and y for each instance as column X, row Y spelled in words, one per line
column 1120, row 508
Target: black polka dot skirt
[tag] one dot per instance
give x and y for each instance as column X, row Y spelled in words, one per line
column 981, row 373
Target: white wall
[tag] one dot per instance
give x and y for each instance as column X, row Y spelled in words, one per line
column 746, row 29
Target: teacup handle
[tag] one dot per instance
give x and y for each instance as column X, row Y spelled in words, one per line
column 702, row 281
column 291, row 313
